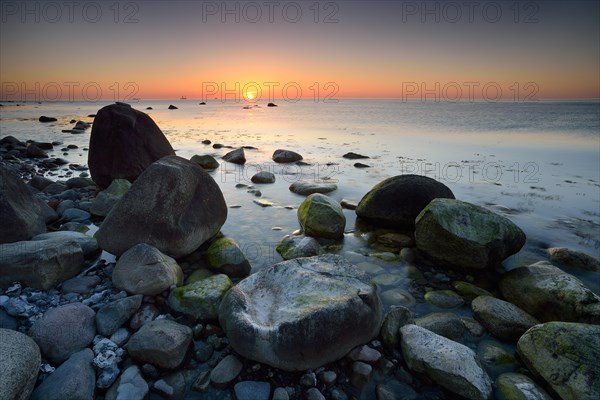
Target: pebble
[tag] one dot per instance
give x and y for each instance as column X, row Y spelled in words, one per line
column 250, row 390
column 226, row 371
column 309, row 379
column 280, row 394
column 366, row 354
column 314, row 394
column 361, row 373
column 327, row 377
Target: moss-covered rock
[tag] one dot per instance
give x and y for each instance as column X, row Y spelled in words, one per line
column 565, row 355
column 202, row 298
column 321, row 216
column 397, row 201
column 205, row 161
column 466, row 236
column 298, row 246
column 514, row 386
column 396, row 318
column 225, row 257
column 106, row 199
column 550, row 294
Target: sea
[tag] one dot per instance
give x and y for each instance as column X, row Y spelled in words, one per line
column 537, row 163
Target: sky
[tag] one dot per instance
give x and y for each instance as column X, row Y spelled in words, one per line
column 264, row 50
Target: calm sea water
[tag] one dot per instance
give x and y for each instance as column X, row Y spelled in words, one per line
column 537, row 163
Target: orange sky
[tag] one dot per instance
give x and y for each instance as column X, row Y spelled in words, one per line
column 373, row 49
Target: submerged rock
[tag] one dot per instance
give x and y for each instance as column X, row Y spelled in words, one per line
column 549, row 294
column 301, row 313
column 565, row 355
column 174, row 205
column 21, row 359
column 286, row 156
column 397, row 201
column 448, row 363
column 306, row 188
column 298, row 246
column 466, row 236
column 205, row 161
column 236, row 156
column 123, row 143
column 574, row 259
column 321, row 216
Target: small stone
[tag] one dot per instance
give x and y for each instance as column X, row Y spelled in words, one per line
column 327, row 377
column 226, row 371
column 444, row 298
column 396, row 317
column 130, row 385
column 162, row 343
column 114, row 314
column 361, row 373
column 280, row 394
column 309, row 379
column 202, row 382
column 314, row 394
column 263, row 177
column 250, row 390
column 366, row 354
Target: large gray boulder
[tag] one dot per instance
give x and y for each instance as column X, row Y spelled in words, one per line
column 40, row 264
column 549, row 294
column 21, row 213
column 465, row 236
column 123, row 143
column 21, row 359
column 63, row 331
column 301, row 313
column 143, row 269
column 565, row 355
column 322, row 216
column 75, row 379
column 396, row 201
column 162, row 343
column 174, row 206
column 446, row 362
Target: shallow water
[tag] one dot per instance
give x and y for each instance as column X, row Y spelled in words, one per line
column 536, row 163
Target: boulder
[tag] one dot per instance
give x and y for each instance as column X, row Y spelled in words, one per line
column 162, row 343
column 396, row 201
column 263, row 177
column 321, row 216
column 465, row 236
column 286, row 156
column 123, row 143
column 235, row 156
column 301, row 313
column 40, row 264
column 446, row 362
column 298, row 246
column 565, row 356
column 75, row 379
column 21, row 359
column 205, row 161
column 549, row 294
column 63, row 331
column 174, row 205
column 113, row 315
column 143, row 269
column 21, row 213
column 305, row 188
column 106, row 199
column 503, row 319
column 224, row 256
column 202, row 298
